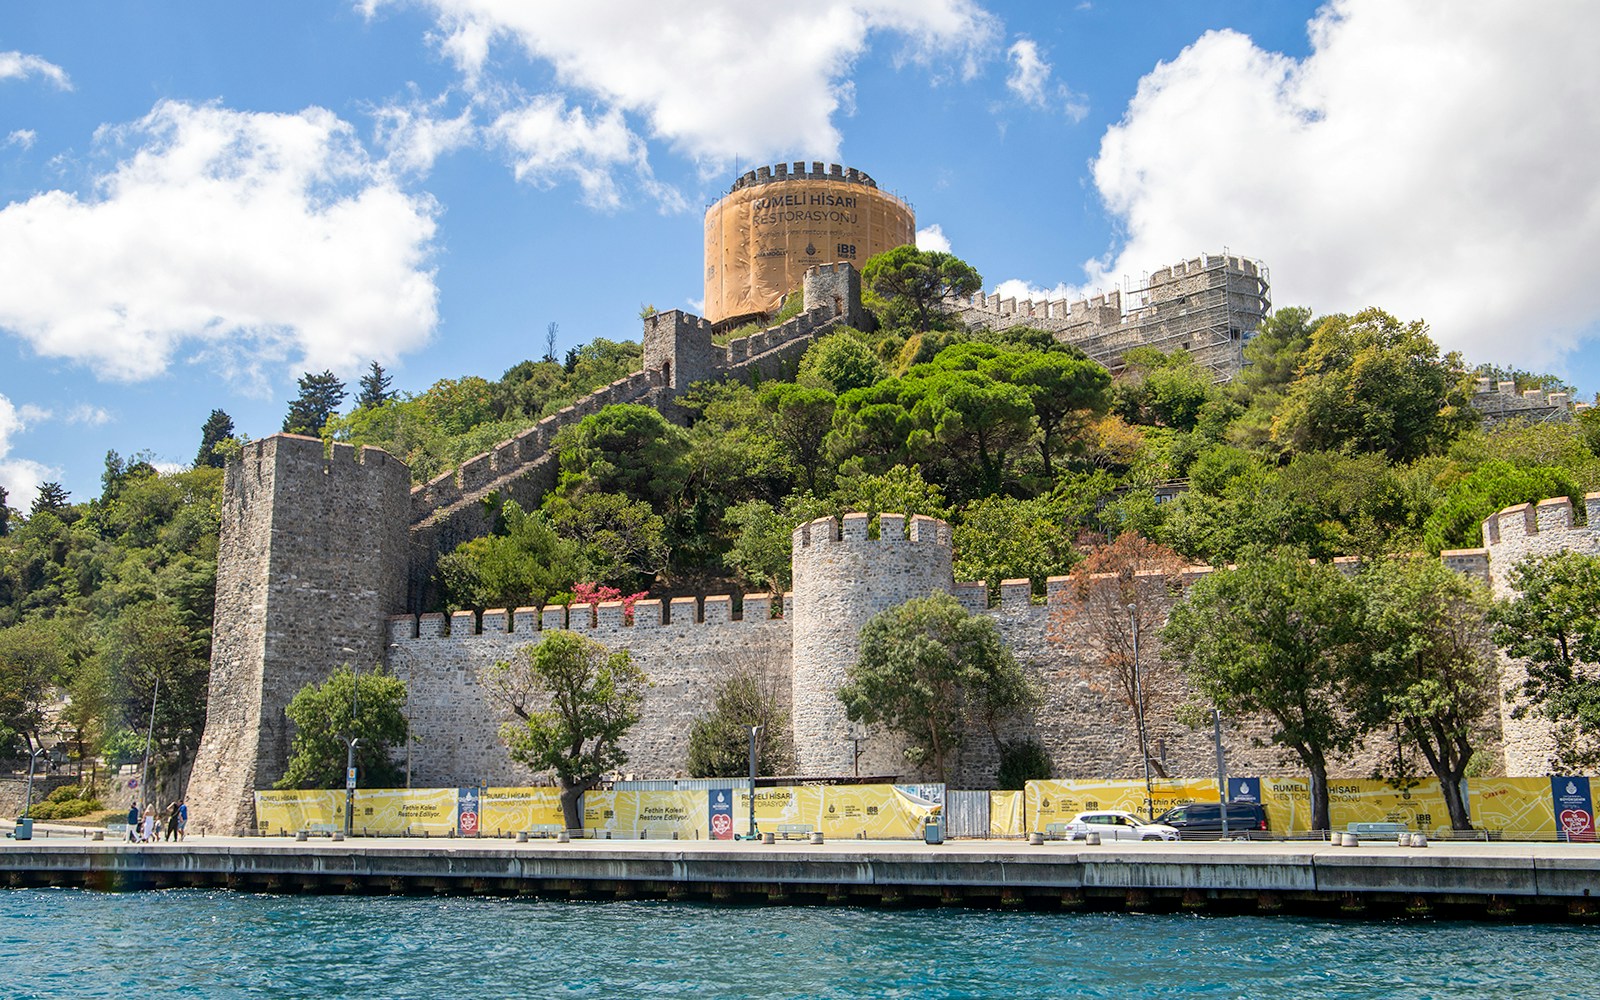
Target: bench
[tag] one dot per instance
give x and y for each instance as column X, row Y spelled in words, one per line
column 1377, row 831
column 787, row 830
column 545, row 829
column 1058, row 831
column 324, row 829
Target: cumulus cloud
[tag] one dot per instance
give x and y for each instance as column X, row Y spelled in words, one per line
column 243, row 238
column 20, row 476
column 415, row 135
column 548, row 140
column 20, row 66
column 1452, row 181
column 1029, row 72
column 933, row 238
column 23, row 137
column 715, row 79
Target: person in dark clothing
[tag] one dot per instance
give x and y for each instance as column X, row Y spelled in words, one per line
column 133, row 823
column 172, row 821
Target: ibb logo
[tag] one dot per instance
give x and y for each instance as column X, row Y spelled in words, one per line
column 847, row 251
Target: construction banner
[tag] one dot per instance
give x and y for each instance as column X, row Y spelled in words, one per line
column 655, row 814
column 504, row 811
column 1005, row 814
column 870, row 812
column 281, row 814
column 399, row 812
column 1050, row 802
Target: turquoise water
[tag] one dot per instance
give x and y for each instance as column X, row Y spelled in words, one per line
column 72, row 943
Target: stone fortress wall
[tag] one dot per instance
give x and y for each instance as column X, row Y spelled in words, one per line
column 1514, row 534
column 1209, row 306
column 1500, row 401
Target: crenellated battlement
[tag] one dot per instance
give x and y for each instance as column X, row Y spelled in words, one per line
column 893, row 530
column 1553, row 519
column 1500, row 400
column 1208, row 306
column 798, row 171
column 526, row 624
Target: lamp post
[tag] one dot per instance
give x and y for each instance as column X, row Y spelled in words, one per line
column 350, row 757
column 149, row 737
column 27, row 802
column 1138, row 714
column 754, row 732
column 1222, row 769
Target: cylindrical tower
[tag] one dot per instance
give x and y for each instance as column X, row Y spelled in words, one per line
column 841, row 579
column 777, row 221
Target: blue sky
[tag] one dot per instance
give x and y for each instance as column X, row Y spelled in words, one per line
column 199, row 201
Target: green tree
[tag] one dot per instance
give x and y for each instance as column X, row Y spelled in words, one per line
column 1553, row 624
column 374, row 387
column 51, row 499
column 32, row 659
column 719, row 741
column 914, row 282
column 1457, row 520
column 802, row 417
column 1001, row 538
column 622, row 542
column 760, row 552
column 320, row 396
column 1431, row 669
column 524, row 565
column 1279, row 636
column 1372, row 383
column 627, row 449
column 840, row 362
column 371, row 707
column 5, row 513
column 1168, row 390
column 576, row 701
column 149, row 653
column 218, row 428
column 1067, row 391
column 932, row 672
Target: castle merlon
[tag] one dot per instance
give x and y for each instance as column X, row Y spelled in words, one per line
column 714, row 610
column 1529, row 519
column 855, row 529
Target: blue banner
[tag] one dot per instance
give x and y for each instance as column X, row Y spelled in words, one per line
column 721, row 804
column 1244, row 789
column 1574, row 808
column 467, row 816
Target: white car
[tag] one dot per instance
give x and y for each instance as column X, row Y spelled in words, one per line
column 1112, row 824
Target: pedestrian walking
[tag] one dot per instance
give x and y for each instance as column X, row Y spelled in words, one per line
column 172, row 821
column 148, row 833
column 183, row 817
column 133, row 823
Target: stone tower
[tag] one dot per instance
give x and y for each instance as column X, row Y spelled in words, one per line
column 841, row 579
column 837, row 286
column 1511, row 536
column 312, row 558
column 678, row 345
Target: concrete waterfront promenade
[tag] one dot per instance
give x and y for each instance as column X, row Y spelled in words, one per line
column 1472, row 880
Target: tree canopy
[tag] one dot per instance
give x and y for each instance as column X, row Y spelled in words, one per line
column 370, row 707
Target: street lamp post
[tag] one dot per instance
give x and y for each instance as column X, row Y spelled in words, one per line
column 149, row 736
column 754, row 732
column 350, row 757
column 1222, row 769
column 1138, row 714
column 393, row 647
column 27, row 802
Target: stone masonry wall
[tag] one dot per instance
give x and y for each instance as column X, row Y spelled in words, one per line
column 1515, row 534
column 684, row 649
column 311, row 560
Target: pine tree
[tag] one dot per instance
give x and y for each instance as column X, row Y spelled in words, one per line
column 52, row 499
column 5, row 513
column 218, row 428
column 374, row 387
column 320, row 396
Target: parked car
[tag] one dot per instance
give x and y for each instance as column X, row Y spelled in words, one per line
column 1112, row 824
column 1201, row 818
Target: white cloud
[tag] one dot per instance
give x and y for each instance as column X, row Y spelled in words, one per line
column 20, row 476
column 933, row 238
column 20, row 66
column 1030, row 80
column 247, row 238
column 1451, row 179
column 23, row 137
column 88, row 415
column 1029, row 72
column 417, row 134
column 548, row 140
column 715, row 79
